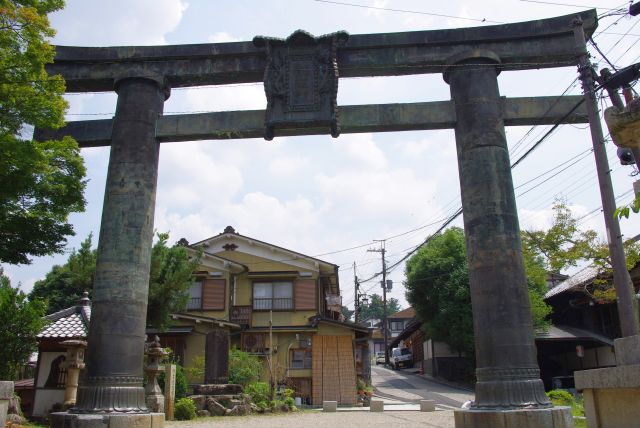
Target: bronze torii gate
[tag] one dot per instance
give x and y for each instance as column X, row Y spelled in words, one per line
column 301, row 79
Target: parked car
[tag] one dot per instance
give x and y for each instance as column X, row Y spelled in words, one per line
column 379, row 358
column 401, row 357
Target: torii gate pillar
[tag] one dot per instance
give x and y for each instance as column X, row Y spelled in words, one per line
column 111, row 388
column 508, row 389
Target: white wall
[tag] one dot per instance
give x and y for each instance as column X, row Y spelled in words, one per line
column 45, row 398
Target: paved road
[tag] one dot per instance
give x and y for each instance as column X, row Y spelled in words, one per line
column 409, row 387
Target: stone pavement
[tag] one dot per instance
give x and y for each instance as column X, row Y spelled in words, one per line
column 319, row 419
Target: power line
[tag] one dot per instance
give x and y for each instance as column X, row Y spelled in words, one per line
column 567, row 4
column 387, row 9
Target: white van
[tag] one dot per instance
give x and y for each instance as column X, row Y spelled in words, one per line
column 401, row 357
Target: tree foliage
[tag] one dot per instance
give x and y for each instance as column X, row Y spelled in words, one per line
column 625, row 210
column 40, row 182
column 63, row 286
column 169, row 280
column 375, row 307
column 20, row 321
column 564, row 245
column 244, row 368
column 437, row 287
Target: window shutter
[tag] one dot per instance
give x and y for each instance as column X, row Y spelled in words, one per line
column 305, row 294
column 213, row 294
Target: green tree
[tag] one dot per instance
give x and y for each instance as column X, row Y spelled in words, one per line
column 437, row 287
column 244, row 368
column 169, row 280
column 63, row 286
column 564, row 245
column 20, row 321
column 40, row 182
column 347, row 313
column 375, row 307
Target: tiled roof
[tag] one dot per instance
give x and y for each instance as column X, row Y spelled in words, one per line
column 68, row 323
column 405, row 313
column 569, row 333
column 581, row 278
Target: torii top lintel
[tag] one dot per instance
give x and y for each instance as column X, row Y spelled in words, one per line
column 526, row 45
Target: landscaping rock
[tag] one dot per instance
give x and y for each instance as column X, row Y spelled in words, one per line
column 200, row 401
column 15, row 419
column 227, row 412
column 225, row 400
column 233, row 403
column 203, row 413
column 240, row 410
column 215, row 408
column 218, row 389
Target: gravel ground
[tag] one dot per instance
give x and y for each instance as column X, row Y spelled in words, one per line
column 318, row 419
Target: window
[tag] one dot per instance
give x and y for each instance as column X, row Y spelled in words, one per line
column 300, row 358
column 396, row 325
column 207, row 294
column 195, row 294
column 272, row 295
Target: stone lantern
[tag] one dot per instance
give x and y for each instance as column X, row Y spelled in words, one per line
column 74, row 363
column 153, row 393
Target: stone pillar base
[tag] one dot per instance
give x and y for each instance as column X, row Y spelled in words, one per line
column 113, row 420
column 611, row 396
column 553, row 417
column 6, row 392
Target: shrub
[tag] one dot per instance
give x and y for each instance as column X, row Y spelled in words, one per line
column 244, row 368
column 185, row 409
column 259, row 392
column 290, row 402
column 560, row 397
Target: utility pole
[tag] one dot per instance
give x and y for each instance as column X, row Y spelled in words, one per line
column 356, row 305
column 385, row 329
column 622, row 282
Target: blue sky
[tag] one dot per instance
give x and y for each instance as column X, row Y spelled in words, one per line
column 319, row 195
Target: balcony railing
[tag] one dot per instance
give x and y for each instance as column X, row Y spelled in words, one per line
column 282, row 304
column 241, row 315
column 194, row 304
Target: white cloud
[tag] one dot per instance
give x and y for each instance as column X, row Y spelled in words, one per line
column 285, row 223
column 223, row 37
column 222, row 98
column 122, row 22
column 543, row 219
column 190, row 177
column 355, row 194
column 362, row 148
column 287, row 166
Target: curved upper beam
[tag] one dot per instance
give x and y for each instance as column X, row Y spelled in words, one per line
column 525, row 45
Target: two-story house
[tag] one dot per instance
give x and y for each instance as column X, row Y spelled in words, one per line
column 279, row 304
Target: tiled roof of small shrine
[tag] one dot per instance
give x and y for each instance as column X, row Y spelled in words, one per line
column 69, row 323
